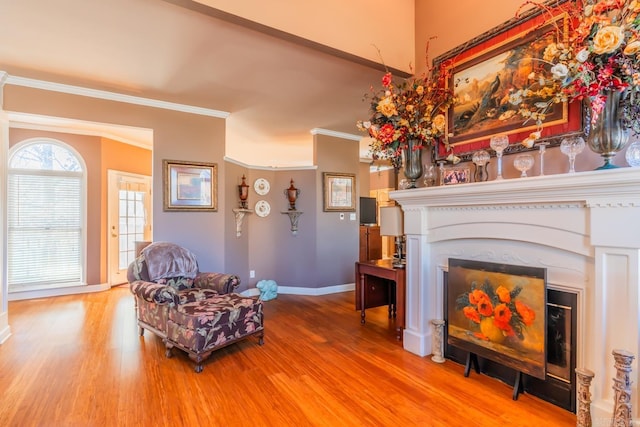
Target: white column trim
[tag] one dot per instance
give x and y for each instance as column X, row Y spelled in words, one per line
column 5, row 330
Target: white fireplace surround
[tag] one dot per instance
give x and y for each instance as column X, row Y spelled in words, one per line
column 584, row 228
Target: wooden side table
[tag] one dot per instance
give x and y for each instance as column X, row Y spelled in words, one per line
column 369, row 295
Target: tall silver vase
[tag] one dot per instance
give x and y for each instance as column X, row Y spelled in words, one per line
column 412, row 157
column 607, row 134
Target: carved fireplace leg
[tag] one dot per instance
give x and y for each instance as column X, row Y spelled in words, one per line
column 438, row 326
column 622, row 389
column 583, row 413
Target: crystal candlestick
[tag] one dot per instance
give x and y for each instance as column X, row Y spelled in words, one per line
column 542, row 148
column 498, row 143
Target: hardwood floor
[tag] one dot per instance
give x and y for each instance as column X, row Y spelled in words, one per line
column 79, row 361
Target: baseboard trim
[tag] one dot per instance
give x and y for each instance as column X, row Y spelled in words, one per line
column 294, row 290
column 56, row 292
column 5, row 330
column 251, row 292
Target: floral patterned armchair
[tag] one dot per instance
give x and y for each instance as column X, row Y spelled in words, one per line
column 166, row 275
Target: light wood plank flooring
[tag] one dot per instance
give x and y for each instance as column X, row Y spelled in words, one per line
column 79, row 361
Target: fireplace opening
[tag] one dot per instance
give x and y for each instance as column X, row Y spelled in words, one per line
column 559, row 384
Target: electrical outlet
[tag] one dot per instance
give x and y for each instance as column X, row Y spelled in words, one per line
column 252, row 274
column 341, row 216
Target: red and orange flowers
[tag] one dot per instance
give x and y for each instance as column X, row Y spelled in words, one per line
column 498, row 306
column 412, row 109
column 601, row 55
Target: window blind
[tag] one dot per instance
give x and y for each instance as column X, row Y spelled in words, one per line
column 44, row 229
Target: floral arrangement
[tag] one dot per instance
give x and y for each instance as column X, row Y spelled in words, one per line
column 498, row 311
column 600, row 56
column 410, row 110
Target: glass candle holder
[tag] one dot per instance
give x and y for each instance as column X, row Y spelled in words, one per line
column 571, row 147
column 523, row 162
column 480, row 159
column 498, row 143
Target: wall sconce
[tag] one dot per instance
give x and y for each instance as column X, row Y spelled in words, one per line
column 243, row 192
column 391, row 225
column 292, row 194
column 293, row 218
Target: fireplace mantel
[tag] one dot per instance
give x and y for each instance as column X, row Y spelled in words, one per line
column 584, row 228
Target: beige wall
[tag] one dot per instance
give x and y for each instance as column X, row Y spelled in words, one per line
column 360, row 27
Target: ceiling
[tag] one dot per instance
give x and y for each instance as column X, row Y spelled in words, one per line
column 275, row 90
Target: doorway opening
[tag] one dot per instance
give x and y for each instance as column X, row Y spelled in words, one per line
column 130, row 218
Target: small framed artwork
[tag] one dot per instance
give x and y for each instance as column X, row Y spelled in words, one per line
column 458, row 175
column 339, row 192
column 189, row 186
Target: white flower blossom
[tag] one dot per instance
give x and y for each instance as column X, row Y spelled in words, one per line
column 559, row 71
column 583, row 55
column 516, row 97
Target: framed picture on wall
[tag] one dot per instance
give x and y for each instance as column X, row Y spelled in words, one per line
column 189, row 186
column 339, row 192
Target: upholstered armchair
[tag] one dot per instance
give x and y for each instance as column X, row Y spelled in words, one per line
column 166, row 275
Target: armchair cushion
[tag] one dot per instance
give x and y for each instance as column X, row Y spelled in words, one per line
column 194, row 295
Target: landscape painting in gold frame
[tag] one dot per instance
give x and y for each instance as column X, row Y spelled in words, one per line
column 483, row 73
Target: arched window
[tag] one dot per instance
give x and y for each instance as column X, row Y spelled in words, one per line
column 46, row 216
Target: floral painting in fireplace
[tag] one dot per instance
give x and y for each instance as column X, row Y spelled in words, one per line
column 498, row 312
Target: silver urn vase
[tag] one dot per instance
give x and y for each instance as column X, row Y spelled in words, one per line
column 412, row 157
column 607, row 134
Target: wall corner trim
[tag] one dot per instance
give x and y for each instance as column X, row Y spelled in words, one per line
column 269, row 168
column 343, row 135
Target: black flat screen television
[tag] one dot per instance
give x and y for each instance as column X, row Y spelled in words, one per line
column 368, row 211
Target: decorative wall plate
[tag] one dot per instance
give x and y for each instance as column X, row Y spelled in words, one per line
column 261, row 186
column 262, row 208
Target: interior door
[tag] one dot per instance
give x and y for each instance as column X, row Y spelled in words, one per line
column 129, row 220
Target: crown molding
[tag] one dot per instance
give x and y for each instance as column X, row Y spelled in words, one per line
column 111, row 96
column 269, row 168
column 343, row 135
